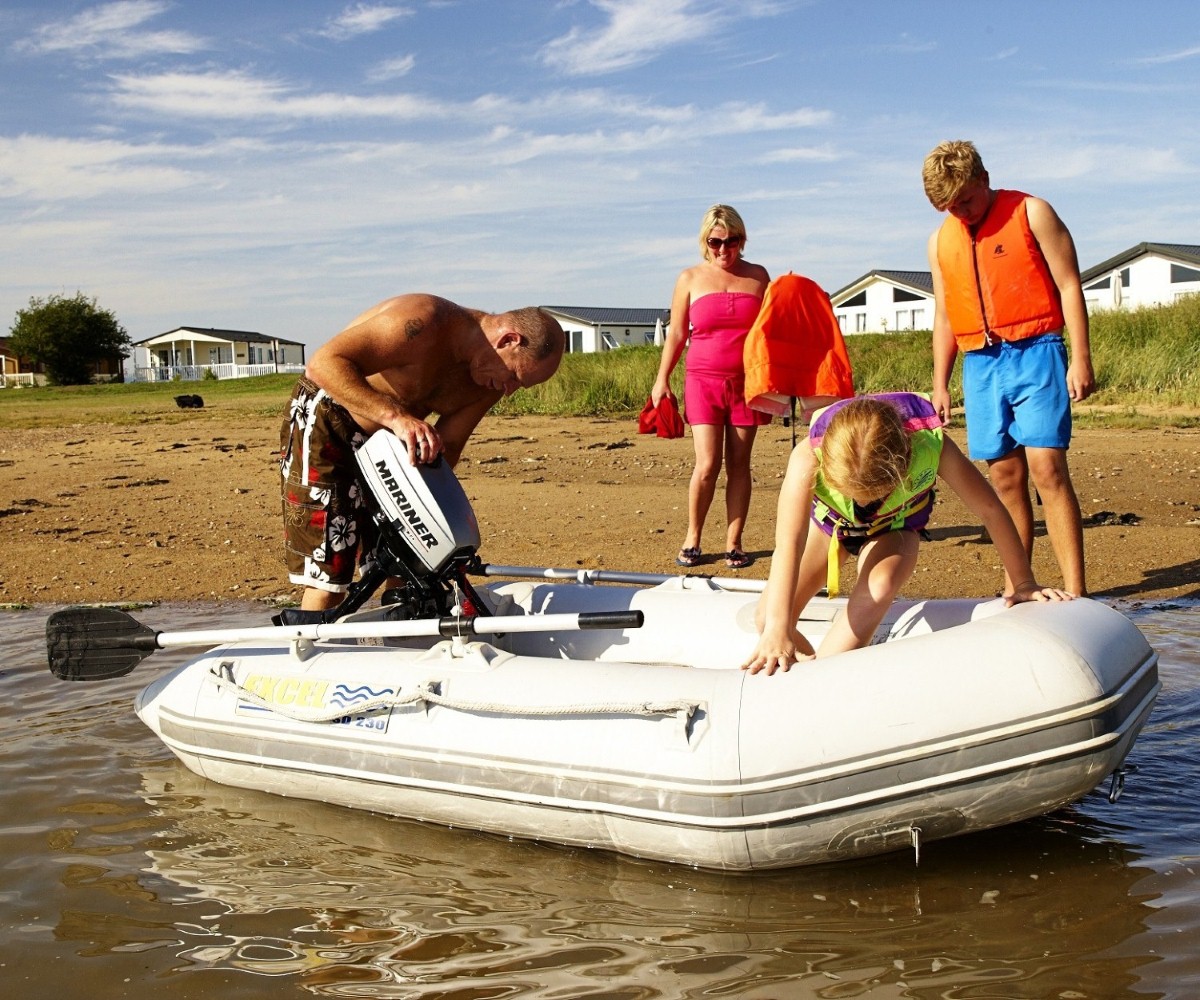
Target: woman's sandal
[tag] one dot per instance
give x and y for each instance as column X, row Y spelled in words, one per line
column 689, row 556
column 737, row 559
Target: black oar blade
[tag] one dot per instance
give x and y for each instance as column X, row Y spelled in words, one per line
column 95, row 644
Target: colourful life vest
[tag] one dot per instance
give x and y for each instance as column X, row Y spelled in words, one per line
column 795, row 348
column 997, row 282
column 912, row 496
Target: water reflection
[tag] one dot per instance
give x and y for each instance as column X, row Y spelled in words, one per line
column 383, row 901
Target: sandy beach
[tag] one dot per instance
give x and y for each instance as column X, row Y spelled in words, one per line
column 190, row 510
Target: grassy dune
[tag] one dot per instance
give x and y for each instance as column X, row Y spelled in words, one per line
column 1147, row 366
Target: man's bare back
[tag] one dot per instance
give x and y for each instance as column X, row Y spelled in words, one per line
column 394, row 366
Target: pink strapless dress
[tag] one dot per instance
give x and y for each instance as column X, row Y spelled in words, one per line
column 720, row 322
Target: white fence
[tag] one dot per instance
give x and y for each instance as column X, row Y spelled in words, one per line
column 9, row 379
column 193, row 373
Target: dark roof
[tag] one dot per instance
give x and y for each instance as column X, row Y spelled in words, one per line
column 920, row 280
column 237, row 336
column 1182, row 252
column 608, row 316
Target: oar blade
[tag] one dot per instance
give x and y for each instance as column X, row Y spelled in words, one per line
column 95, row 644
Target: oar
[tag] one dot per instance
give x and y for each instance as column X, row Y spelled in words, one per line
column 93, row 644
column 690, row 581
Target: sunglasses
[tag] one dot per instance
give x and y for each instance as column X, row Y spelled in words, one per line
column 732, row 242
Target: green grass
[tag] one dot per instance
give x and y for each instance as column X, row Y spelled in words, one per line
column 141, row 402
column 1147, row 365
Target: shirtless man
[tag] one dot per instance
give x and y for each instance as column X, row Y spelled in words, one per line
column 396, row 364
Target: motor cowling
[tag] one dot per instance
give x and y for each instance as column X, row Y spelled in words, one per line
column 422, row 511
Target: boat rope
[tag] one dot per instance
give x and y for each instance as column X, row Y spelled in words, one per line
column 429, row 694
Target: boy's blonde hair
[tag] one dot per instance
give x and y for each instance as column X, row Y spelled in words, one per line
column 949, row 168
column 721, row 215
column 866, row 452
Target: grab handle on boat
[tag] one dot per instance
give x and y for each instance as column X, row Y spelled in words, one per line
column 1117, row 788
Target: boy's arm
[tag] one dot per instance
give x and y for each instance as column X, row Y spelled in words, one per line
column 975, row 491
column 1059, row 250
column 945, row 348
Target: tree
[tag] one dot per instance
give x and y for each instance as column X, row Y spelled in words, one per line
column 68, row 336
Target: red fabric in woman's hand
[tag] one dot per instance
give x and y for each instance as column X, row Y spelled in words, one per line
column 664, row 420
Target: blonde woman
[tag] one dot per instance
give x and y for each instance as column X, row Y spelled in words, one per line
column 864, row 480
column 713, row 307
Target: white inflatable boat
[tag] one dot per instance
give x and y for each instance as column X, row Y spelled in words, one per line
column 648, row 739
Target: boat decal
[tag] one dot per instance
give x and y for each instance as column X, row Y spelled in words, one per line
column 288, row 695
column 283, row 691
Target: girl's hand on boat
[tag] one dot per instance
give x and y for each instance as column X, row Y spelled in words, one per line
column 1034, row 591
column 780, row 658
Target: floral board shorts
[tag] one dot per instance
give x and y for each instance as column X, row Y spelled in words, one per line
column 327, row 525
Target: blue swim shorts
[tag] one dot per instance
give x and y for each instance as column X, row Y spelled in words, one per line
column 1016, row 394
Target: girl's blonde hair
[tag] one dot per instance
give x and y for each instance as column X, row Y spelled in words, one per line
column 866, row 452
column 721, row 215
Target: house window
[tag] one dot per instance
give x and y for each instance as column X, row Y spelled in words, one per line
column 900, row 295
column 841, row 322
column 649, row 336
column 860, row 322
column 1180, row 274
column 1103, row 283
column 610, row 342
column 858, row 300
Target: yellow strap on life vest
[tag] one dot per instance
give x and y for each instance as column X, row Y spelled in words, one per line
column 833, row 571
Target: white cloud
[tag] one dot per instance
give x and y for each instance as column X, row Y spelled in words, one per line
column 635, row 32
column 801, row 154
column 1111, row 162
column 233, row 95
column 110, row 31
column 45, row 169
column 1169, row 57
column 363, row 19
column 905, row 45
column 392, row 69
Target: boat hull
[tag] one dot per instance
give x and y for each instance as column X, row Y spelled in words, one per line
column 963, row 716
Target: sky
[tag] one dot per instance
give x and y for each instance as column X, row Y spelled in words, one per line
column 281, row 165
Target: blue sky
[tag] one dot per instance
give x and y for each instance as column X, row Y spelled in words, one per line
column 280, row 165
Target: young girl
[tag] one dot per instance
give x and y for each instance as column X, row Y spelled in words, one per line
column 864, row 479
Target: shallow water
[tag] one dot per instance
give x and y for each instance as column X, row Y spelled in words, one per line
column 123, row 874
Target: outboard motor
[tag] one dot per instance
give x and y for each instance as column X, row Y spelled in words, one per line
column 428, row 537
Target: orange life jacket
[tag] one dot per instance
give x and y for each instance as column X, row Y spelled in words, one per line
column 997, row 282
column 795, row 348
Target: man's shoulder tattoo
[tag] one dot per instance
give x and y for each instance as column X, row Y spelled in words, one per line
column 412, row 328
